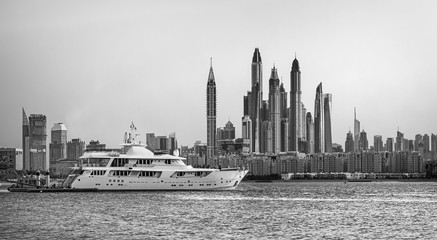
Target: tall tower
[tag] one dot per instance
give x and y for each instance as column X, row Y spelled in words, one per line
column 364, row 144
column 275, row 110
column 246, row 130
column 327, row 107
column 319, row 125
column 211, row 117
column 310, row 133
column 356, row 131
column 253, row 102
column 295, row 118
column 257, row 98
column 284, row 118
column 349, row 144
column 37, row 142
column 25, row 142
column 58, row 144
column 377, row 143
column 426, row 143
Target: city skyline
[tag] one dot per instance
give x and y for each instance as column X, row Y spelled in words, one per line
column 96, row 70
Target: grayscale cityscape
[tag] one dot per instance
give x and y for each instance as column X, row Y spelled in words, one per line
column 280, row 139
column 317, row 116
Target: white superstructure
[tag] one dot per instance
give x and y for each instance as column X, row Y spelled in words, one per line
column 141, row 169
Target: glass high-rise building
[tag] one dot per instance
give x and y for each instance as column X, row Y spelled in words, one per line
column 37, row 146
column 322, row 121
column 356, row 131
column 349, row 144
column 295, row 118
column 75, row 149
column 211, row 118
column 58, row 143
column 253, row 102
column 377, row 143
column 319, row 126
column 275, row 110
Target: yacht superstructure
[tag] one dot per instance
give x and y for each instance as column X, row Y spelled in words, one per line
column 141, row 169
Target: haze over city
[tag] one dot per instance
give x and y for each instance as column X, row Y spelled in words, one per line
column 97, row 66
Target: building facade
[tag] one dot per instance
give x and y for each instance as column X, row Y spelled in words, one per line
column 295, row 117
column 356, row 131
column 75, row 149
column 275, row 110
column 58, row 143
column 37, row 147
column 377, row 143
column 211, row 117
column 349, row 143
column 253, row 102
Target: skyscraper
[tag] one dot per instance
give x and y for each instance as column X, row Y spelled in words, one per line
column 227, row 132
column 356, row 132
column 246, row 130
column 322, row 121
column 254, row 100
column 417, row 140
column 399, row 145
column 426, row 143
column 319, row 131
column 275, row 110
column 150, row 140
column 349, row 143
column 37, row 142
column 58, row 143
column 25, row 141
column 295, row 118
column 266, row 137
column 211, row 117
column 433, row 143
column 364, row 144
column 327, row 106
column 310, row 133
column 284, row 119
column 75, row 149
column 377, row 143
column 389, row 145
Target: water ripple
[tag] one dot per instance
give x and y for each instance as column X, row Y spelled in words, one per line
column 280, row 210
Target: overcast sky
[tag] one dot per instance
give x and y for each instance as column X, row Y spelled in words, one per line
column 98, row 65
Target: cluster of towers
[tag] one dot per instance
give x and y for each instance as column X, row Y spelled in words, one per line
column 272, row 126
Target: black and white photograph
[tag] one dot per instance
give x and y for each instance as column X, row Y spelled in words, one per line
column 245, row 119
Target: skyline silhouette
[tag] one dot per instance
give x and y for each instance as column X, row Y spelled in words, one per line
column 96, row 68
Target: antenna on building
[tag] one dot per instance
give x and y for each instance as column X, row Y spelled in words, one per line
column 211, row 61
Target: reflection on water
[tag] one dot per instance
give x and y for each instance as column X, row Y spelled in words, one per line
column 312, row 210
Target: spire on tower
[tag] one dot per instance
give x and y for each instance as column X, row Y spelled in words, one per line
column 211, row 73
column 355, row 113
column 25, row 119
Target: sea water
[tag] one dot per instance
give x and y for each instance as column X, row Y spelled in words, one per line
column 277, row 210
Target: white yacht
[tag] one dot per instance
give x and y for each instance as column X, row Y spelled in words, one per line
column 141, row 169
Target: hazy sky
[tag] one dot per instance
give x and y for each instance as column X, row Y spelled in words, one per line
column 98, row 65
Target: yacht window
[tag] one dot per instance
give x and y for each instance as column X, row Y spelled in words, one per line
column 119, row 162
